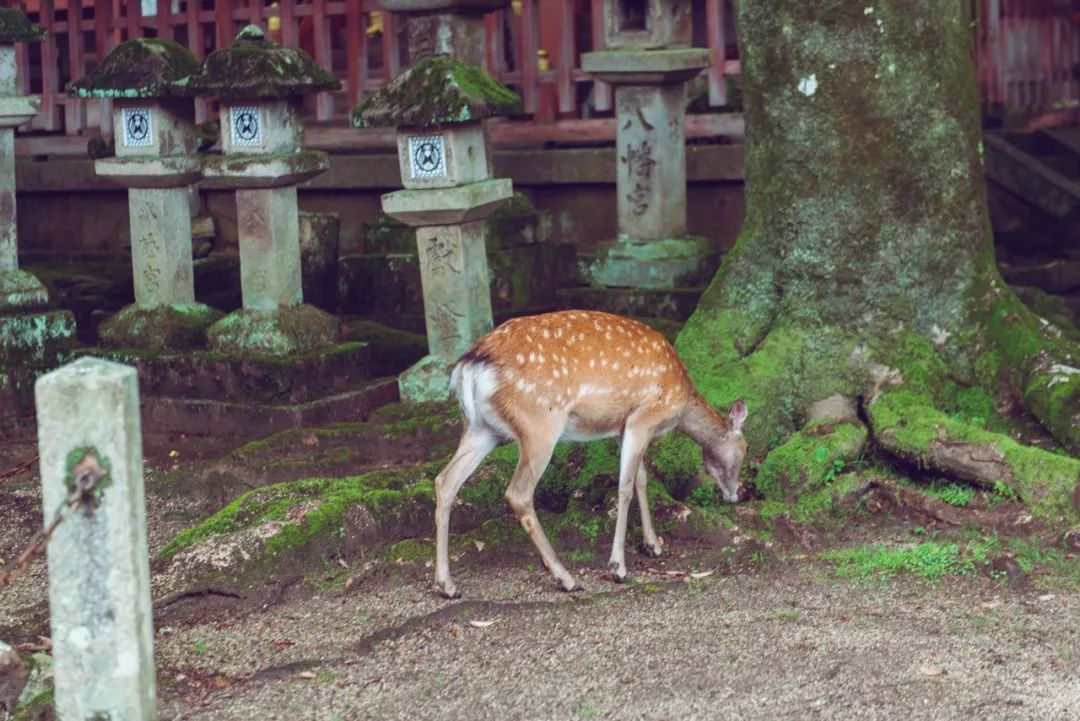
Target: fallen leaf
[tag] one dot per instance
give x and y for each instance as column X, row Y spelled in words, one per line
column 307, row 674
column 174, row 454
column 929, row 670
column 480, row 624
column 341, row 562
column 310, row 440
column 281, row 645
column 702, row 574
column 1047, row 597
column 675, row 574
column 479, row 545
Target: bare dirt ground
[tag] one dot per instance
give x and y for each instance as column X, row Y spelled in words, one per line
column 777, row 638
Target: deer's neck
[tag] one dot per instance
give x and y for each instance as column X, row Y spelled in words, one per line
column 699, row 421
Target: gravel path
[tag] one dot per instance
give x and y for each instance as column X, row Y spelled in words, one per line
column 782, row 643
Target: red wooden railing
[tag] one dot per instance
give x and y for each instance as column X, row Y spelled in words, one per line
column 1027, row 51
column 535, row 46
column 1028, row 56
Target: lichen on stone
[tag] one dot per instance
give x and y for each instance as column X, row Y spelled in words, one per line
column 435, row 91
column 139, row 68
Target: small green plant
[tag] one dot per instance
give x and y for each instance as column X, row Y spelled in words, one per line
column 952, row 493
column 929, row 561
column 199, row 647
column 1002, row 493
column 833, row 471
column 704, row 496
column 787, row 614
column 577, row 556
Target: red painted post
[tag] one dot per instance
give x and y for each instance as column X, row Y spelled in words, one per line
column 566, row 58
column 390, row 51
column 530, row 34
column 48, row 118
column 714, row 25
column 601, row 91
column 223, row 23
column 324, row 102
column 103, row 43
column 163, row 19
column 354, row 51
column 74, row 110
column 133, row 16
column 290, row 31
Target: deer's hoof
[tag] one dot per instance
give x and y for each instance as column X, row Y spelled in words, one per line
column 447, row 590
column 569, row 585
column 650, row 551
column 618, row 573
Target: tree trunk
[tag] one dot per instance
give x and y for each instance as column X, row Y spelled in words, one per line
column 865, row 267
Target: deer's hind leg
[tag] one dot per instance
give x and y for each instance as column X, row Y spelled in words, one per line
column 650, row 545
column 476, row 442
column 535, row 454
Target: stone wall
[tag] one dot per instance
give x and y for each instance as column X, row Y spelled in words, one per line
column 65, row 208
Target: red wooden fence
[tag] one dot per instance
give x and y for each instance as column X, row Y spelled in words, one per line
column 534, row 46
column 1027, row 51
column 1028, row 56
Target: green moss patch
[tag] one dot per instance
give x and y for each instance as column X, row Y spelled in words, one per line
column 435, row 91
column 810, row 459
column 927, row 561
column 1045, row 481
column 179, row 326
column 137, row 68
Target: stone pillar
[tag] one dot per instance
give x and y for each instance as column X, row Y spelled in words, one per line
column 160, row 220
column 19, row 290
column 651, row 163
column 99, row 571
column 648, row 61
column 457, row 296
column 269, row 228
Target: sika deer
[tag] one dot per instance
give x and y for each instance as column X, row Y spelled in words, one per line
column 578, row 376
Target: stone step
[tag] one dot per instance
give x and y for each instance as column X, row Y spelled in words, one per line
column 210, row 376
column 205, row 416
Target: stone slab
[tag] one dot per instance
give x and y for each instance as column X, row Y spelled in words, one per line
column 669, row 263
column 16, row 110
column 161, row 328
column 645, row 67
column 283, row 333
column 211, row 376
column 262, row 171
column 254, row 420
column 150, row 171
column 445, row 206
column 21, row 291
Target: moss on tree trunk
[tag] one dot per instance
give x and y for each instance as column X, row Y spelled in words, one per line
column 865, row 266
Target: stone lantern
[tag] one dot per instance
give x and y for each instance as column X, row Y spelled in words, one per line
column 259, row 84
column 18, row 289
column 156, row 159
column 33, row 339
column 648, row 60
column 438, row 107
column 445, row 27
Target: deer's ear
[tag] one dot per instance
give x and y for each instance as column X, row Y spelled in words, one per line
column 737, row 415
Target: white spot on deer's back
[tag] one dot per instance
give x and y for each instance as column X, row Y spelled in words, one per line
column 520, row 359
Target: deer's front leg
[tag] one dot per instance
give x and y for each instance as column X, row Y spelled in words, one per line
column 474, row 446
column 635, row 439
column 650, row 545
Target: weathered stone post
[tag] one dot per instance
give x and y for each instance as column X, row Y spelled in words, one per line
column 32, row 338
column 648, row 60
column 445, row 27
column 156, row 159
column 259, row 83
column 18, row 289
column 439, row 106
column 99, row 571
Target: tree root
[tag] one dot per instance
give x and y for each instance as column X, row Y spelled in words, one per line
column 810, row 458
column 907, row 427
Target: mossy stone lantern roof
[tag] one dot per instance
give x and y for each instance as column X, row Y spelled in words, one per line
column 139, row 68
column 256, row 68
column 15, row 27
column 437, row 90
